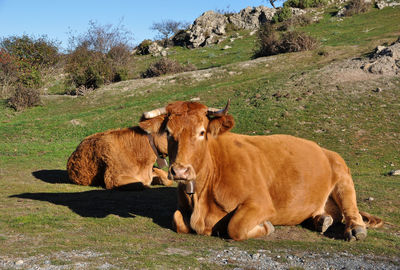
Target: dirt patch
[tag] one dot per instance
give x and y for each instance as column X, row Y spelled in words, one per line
column 385, row 61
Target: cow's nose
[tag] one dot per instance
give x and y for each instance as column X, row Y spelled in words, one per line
column 182, row 172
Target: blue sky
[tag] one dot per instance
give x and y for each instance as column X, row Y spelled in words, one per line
column 55, row 18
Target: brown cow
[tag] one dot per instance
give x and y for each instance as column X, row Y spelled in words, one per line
column 247, row 184
column 119, row 158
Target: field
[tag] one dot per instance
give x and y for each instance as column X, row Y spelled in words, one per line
column 47, row 222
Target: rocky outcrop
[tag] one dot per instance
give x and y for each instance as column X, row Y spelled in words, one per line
column 385, row 61
column 252, row 17
column 382, row 4
column 207, row 29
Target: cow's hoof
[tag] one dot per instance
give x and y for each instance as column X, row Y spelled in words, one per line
column 270, row 227
column 357, row 233
column 324, row 223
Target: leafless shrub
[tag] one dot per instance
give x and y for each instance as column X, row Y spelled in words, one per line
column 295, row 21
column 23, row 98
column 356, row 7
column 166, row 66
column 296, row 41
column 290, row 41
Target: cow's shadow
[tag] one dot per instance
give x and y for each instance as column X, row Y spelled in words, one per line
column 157, row 203
column 52, row 176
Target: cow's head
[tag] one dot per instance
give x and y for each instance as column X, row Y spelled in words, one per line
column 190, row 127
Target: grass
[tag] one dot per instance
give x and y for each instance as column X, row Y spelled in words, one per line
column 42, row 214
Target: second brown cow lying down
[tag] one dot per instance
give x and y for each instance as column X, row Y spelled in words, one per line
column 119, row 158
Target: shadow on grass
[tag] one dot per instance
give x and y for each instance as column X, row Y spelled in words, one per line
column 158, row 204
column 52, row 176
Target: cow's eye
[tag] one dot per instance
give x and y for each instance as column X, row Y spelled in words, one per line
column 202, row 133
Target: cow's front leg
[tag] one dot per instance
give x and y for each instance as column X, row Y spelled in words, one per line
column 250, row 221
column 161, row 177
column 179, row 223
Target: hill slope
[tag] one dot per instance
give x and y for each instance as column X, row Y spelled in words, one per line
column 321, row 95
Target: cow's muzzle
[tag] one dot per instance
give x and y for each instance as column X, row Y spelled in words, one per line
column 181, row 172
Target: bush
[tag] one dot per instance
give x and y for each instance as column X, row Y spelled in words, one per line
column 144, row 47
column 182, row 38
column 24, row 97
column 166, row 66
column 291, row 41
column 268, row 41
column 296, row 41
column 282, row 14
column 98, row 57
column 305, row 3
column 23, row 60
column 356, row 7
column 88, row 68
column 38, row 52
column 295, row 21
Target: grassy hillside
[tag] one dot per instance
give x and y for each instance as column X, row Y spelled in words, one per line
column 44, row 220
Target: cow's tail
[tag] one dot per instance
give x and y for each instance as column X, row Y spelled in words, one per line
column 371, row 221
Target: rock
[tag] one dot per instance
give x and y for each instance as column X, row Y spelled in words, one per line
column 377, row 90
column 226, row 47
column 385, row 60
column 252, row 17
column 207, row 28
column 155, row 49
column 394, row 172
column 19, row 262
column 384, row 3
column 379, row 49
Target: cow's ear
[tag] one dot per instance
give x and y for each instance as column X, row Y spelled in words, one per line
column 219, row 125
column 152, row 125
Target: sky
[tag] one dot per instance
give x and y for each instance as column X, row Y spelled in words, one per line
column 57, row 19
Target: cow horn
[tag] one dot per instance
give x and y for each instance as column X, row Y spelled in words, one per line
column 154, row 113
column 218, row 112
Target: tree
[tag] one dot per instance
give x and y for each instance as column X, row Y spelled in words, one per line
column 167, row 28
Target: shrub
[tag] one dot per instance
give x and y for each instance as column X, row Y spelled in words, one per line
column 282, row 14
column 296, row 41
column 98, row 57
column 38, row 52
column 295, row 21
column 356, row 7
column 182, row 38
column 8, row 72
column 143, row 48
column 268, row 41
column 305, row 3
column 24, row 97
column 23, row 59
column 291, row 41
column 88, row 68
column 166, row 66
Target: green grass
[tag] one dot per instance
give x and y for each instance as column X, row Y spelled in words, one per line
column 40, row 213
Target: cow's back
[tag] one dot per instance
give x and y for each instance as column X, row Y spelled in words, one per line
column 85, row 166
column 118, row 150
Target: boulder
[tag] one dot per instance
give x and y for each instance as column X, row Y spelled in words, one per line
column 207, row 29
column 252, row 17
column 385, row 60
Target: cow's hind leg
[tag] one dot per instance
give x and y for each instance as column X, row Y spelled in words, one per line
column 345, row 197
column 328, row 216
column 250, row 221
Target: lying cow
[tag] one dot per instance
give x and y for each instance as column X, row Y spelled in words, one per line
column 247, row 184
column 120, row 158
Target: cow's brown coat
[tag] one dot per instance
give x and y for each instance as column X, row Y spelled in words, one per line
column 250, row 183
column 119, row 158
